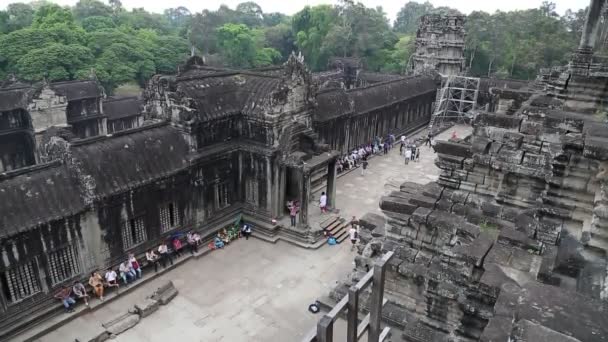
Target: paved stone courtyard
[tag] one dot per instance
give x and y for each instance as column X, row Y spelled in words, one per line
column 253, row 290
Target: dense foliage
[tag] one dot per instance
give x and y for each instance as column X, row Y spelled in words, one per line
column 46, row 41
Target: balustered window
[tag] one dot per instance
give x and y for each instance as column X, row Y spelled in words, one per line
column 63, row 264
column 20, row 282
column 169, row 217
column 133, row 232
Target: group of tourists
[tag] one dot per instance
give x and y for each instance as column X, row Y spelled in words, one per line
column 224, row 236
column 358, row 156
column 127, row 271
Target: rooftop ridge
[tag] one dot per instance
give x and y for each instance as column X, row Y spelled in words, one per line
column 87, row 141
column 28, row 169
column 406, row 78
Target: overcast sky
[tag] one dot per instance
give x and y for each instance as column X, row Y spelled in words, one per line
column 391, row 7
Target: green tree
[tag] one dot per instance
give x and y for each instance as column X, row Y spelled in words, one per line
column 49, row 15
column 310, row 26
column 409, row 15
column 237, row 45
column 97, row 23
column 55, row 62
column 91, row 8
column 19, row 15
column 250, row 14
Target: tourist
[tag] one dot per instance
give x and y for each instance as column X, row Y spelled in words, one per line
column 353, row 236
column 331, row 240
column 293, row 212
column 218, row 243
column 408, row 155
column 126, row 272
column 354, row 222
column 417, row 157
column 339, row 167
column 64, row 295
column 111, row 279
column 192, row 243
column 153, row 259
column 385, row 147
column 391, row 139
column 163, row 252
column 135, row 265
column 428, row 139
column 401, row 147
column 177, row 246
column 323, row 202
column 246, row 231
column 413, row 155
column 81, row 292
column 364, row 167
column 96, row 282
column 223, row 234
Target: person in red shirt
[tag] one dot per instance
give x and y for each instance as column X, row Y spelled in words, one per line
column 135, row 265
column 64, row 295
column 177, row 247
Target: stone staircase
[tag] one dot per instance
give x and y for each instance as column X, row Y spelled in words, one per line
column 336, row 226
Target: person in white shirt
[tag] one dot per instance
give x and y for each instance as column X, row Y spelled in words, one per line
column 111, row 278
column 353, row 236
column 163, row 251
column 126, row 272
column 152, row 258
column 323, row 202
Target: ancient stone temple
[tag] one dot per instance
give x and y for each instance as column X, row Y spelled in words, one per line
column 510, row 244
column 92, row 178
column 440, row 45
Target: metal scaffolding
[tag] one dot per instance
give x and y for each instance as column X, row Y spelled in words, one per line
column 456, row 98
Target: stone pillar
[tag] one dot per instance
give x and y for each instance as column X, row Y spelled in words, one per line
column 304, row 197
column 331, row 184
column 269, row 193
column 591, row 28
column 282, row 181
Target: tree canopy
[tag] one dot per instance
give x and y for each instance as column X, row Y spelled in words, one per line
column 46, row 41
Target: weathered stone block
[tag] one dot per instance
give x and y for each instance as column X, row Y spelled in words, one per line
column 121, row 324
column 100, row 335
column 497, row 120
column 453, row 149
column 165, row 293
column 396, row 204
column 146, row 307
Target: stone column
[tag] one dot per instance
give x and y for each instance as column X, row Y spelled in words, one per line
column 591, row 28
column 269, row 192
column 331, row 184
column 304, row 197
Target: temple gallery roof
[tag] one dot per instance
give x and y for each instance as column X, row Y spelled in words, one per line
column 223, row 94
column 41, row 195
column 117, row 108
column 126, row 161
column 338, row 102
column 114, row 164
column 15, row 97
column 19, row 96
column 78, row 90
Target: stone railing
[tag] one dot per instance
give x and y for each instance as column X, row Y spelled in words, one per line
column 324, row 330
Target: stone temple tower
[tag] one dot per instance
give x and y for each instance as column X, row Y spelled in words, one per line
column 440, row 44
